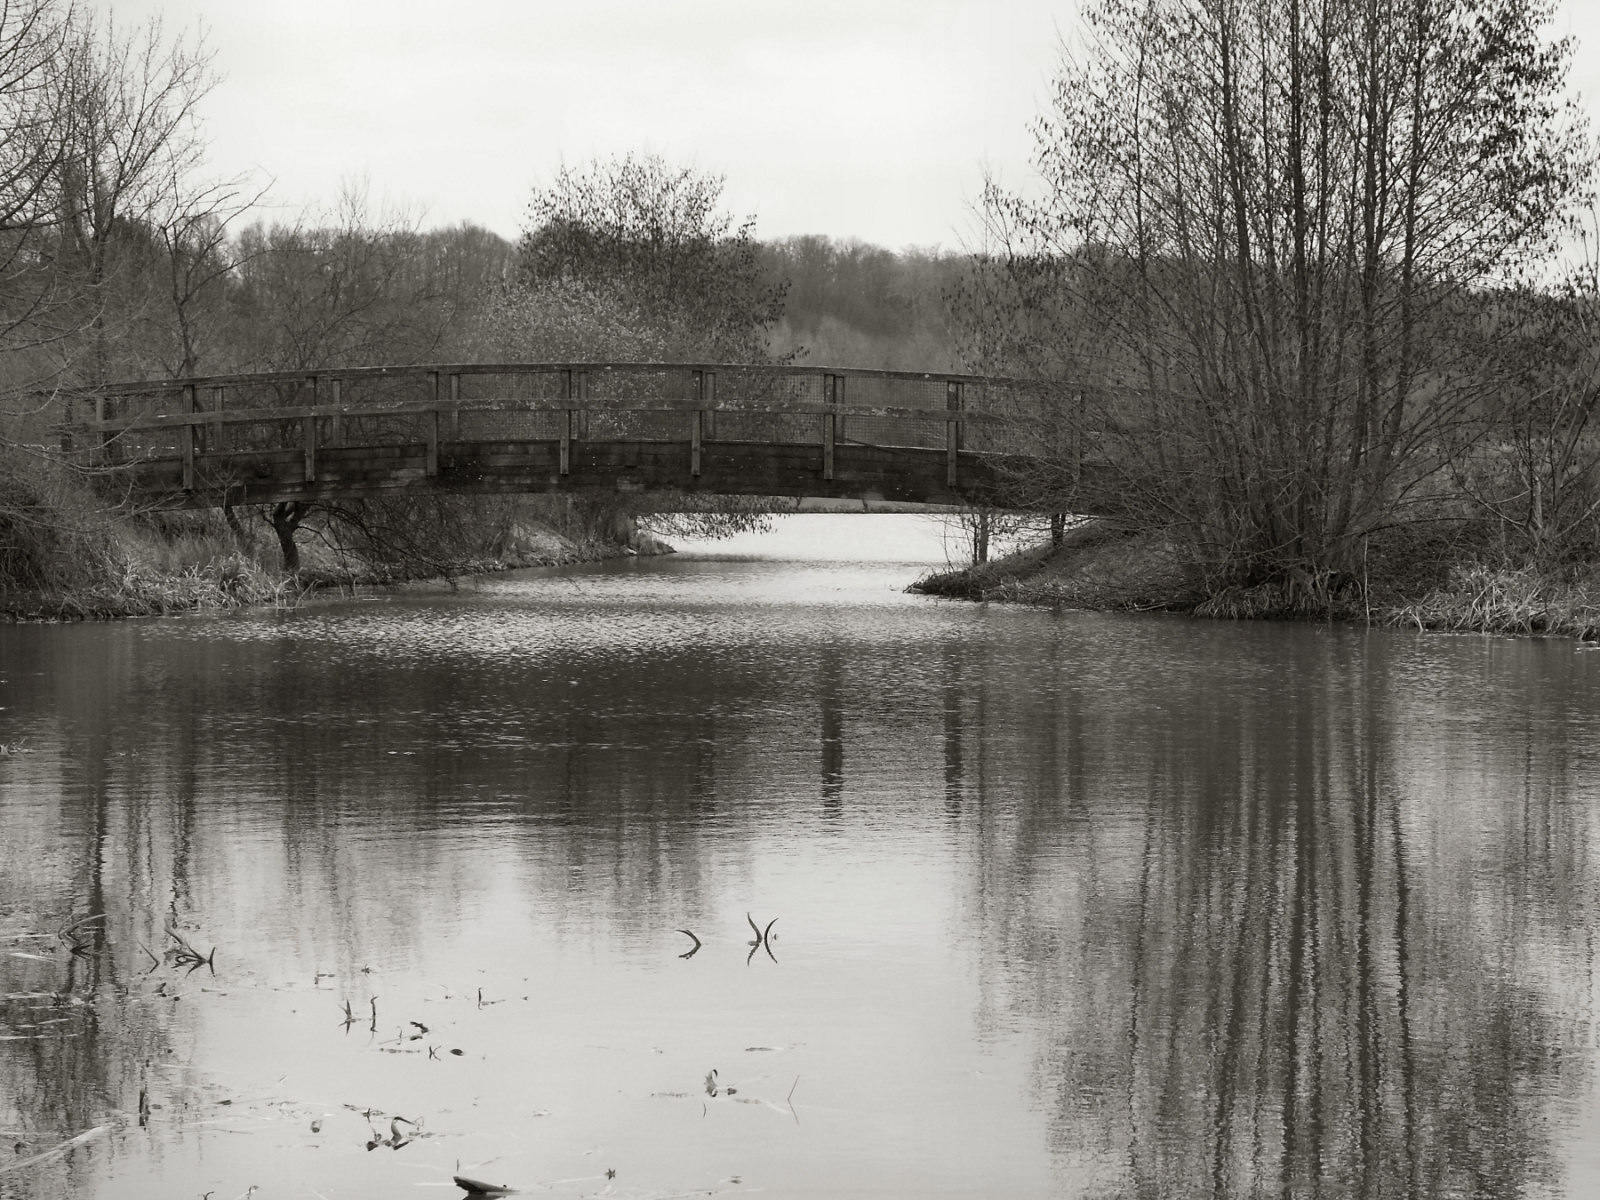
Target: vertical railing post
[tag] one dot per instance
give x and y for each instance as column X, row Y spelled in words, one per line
column 697, row 421
column 308, row 436
column 218, row 437
column 580, row 421
column 952, row 430
column 336, row 421
column 708, row 405
column 830, row 423
column 191, row 396
column 430, row 426
column 1077, row 439
column 565, row 424
column 188, row 438
column 455, row 406
column 102, row 440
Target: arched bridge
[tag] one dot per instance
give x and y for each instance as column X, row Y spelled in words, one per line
column 694, row 429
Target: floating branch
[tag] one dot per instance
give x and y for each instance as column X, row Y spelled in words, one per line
column 692, row 951
column 476, row 1187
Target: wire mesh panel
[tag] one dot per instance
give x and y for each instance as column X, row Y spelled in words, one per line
column 133, row 445
column 1014, row 432
column 752, row 388
column 922, row 432
column 518, row 406
column 510, row 425
column 238, row 437
column 616, row 398
column 792, row 429
column 889, row 391
column 388, row 429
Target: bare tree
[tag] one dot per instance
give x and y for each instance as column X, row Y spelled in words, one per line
column 1535, row 463
column 1255, row 264
column 134, row 140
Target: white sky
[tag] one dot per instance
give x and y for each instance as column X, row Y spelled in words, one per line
column 874, row 119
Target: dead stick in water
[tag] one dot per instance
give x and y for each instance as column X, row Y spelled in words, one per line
column 88, row 1135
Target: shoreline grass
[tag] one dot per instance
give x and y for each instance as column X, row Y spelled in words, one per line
column 1449, row 584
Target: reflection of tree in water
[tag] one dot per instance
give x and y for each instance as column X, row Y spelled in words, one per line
column 89, row 1033
column 1255, row 968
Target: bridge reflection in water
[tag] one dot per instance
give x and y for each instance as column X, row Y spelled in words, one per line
column 696, row 429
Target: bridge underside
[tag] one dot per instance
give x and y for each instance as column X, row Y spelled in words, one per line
column 870, row 474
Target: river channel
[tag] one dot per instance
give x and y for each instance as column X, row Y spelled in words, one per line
column 344, row 901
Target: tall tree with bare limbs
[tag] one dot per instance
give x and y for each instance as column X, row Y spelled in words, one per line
column 133, row 148
column 1262, row 228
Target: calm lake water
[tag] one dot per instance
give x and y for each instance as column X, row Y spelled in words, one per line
column 1061, row 904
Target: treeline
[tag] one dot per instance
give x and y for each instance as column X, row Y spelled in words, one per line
column 850, row 304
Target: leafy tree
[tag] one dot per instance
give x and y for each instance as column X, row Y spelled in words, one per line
column 644, row 252
column 633, row 259
column 1255, row 260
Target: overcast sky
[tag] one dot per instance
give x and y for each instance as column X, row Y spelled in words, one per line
column 874, row 119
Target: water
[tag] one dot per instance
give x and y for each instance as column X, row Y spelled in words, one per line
column 1065, row 904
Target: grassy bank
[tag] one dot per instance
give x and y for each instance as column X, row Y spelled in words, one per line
column 1451, row 577
column 117, row 568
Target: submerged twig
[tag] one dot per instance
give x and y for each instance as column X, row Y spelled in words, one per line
column 187, row 956
column 695, row 949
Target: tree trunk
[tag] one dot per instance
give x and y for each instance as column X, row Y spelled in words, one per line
column 240, row 541
column 286, row 518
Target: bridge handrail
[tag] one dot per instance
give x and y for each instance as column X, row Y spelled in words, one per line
column 423, row 370
column 292, row 412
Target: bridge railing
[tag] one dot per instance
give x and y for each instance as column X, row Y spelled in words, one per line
column 434, row 405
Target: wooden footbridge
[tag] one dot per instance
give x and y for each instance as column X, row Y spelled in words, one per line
column 694, row 430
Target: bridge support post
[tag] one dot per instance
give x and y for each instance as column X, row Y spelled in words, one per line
column 830, row 423
column 952, row 431
column 455, row 406
column 336, row 421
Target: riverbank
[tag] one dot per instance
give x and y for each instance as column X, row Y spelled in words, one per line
column 156, row 576
column 1441, row 580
